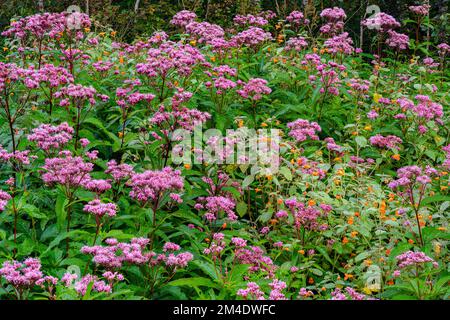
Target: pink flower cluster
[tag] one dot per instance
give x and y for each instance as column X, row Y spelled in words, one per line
column 444, row 49
column 205, row 32
column 67, row 170
column 350, row 294
column 47, row 24
column 428, row 109
column 251, row 37
column 410, row 175
column 398, row 41
column 152, row 185
column 304, row 293
column 102, row 66
column 250, row 20
column 22, row 275
column 268, row 14
column 302, row 129
column 340, row 44
column 296, row 18
column 332, row 146
column 178, row 118
column 328, row 74
column 253, row 291
column 214, row 205
column 11, row 74
column 424, row 111
column 420, row 10
column 333, row 14
column 183, row 18
column 335, row 21
column 257, row 260
column 220, row 80
column 430, row 65
column 4, row 198
column 134, row 98
column 99, row 209
column 52, row 75
column 116, row 254
column 49, row 138
column 98, row 186
column 78, row 93
column 446, row 163
column 97, row 285
column 19, row 157
column 382, row 22
column 170, row 56
column 307, row 216
column 359, row 86
column 277, row 286
column 119, row 171
column 296, row 44
column 411, row 258
column 216, row 246
column 390, row 141
column 254, row 89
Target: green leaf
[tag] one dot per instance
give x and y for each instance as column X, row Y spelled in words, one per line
column 436, row 198
column 241, row 208
column 33, row 211
column 361, row 141
column 430, row 233
column 193, row 282
column 88, row 291
column 403, row 297
column 247, row 181
column 60, row 210
column 206, row 267
column 286, row 172
column 362, row 256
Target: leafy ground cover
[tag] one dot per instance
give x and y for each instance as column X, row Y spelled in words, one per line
column 107, row 194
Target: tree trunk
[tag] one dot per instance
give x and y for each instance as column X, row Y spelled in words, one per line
column 136, row 6
column 41, row 5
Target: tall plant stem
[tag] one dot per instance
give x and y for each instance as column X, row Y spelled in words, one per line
column 97, row 230
column 77, row 128
column 69, row 214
